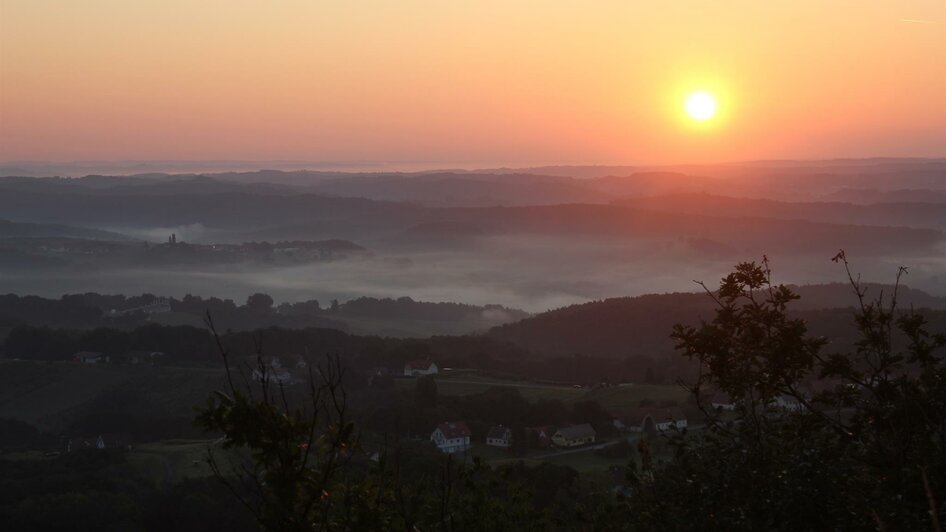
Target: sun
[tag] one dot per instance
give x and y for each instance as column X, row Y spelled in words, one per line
column 701, row 106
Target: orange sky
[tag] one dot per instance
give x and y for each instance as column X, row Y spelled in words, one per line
column 484, row 82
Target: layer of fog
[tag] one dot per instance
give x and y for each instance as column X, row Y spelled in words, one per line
column 533, row 274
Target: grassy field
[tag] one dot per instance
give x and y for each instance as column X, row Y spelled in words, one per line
column 625, row 396
column 172, row 460
column 615, row 398
column 586, row 462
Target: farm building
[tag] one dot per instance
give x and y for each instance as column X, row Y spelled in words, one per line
column 574, row 436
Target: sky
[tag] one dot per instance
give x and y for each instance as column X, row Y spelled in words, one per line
column 478, row 83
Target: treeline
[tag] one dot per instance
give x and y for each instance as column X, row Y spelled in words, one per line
column 181, row 345
column 89, row 310
column 420, row 310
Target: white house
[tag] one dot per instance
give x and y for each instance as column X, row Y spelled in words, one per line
column 787, row 403
column 452, row 437
column 722, row 401
column 670, row 424
column 670, row 419
column 419, row 368
column 663, row 419
column 499, row 436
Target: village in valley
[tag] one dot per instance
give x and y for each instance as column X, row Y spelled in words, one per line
column 620, row 412
column 125, row 395
column 594, row 445
column 547, row 441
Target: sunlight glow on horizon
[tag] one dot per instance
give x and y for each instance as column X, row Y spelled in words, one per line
column 387, row 80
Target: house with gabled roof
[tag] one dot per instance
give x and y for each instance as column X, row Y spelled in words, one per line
column 787, row 403
column 499, row 436
column 452, row 437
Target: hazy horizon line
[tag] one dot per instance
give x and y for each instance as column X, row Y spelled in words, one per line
column 128, row 166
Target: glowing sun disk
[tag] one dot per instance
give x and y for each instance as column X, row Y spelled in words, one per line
column 701, row 106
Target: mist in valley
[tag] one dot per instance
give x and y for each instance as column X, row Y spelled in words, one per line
column 529, row 273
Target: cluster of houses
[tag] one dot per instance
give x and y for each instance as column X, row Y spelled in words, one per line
column 664, row 419
column 135, row 357
column 785, row 403
column 455, row 436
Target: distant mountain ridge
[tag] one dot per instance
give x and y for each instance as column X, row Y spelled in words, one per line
column 929, row 215
column 244, row 214
column 782, row 180
column 870, row 196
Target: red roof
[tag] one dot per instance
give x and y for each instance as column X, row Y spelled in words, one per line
column 454, row 429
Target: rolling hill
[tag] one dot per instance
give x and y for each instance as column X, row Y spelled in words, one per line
column 641, row 326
